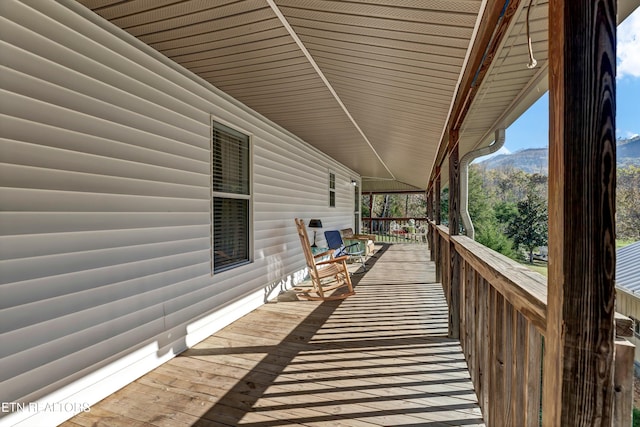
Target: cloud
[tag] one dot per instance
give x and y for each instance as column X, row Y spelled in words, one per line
column 502, row 150
column 629, row 46
column 626, row 134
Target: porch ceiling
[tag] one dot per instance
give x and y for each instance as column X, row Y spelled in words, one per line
column 369, row 82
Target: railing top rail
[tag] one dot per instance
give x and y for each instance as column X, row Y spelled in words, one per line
column 525, row 289
column 443, row 230
column 389, row 218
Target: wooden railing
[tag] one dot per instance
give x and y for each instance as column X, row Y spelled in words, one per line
column 397, row 230
column 502, row 318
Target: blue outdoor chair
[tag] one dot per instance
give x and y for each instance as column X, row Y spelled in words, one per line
column 354, row 250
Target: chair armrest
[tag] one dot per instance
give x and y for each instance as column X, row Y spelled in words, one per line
column 334, row 260
column 325, row 253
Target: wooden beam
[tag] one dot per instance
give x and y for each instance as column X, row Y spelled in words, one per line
column 396, row 192
column 430, row 227
column 454, row 185
column 495, row 22
column 454, row 230
column 579, row 346
column 437, row 247
column 437, row 201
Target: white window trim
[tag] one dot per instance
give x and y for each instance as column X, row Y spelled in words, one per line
column 213, row 194
column 332, row 190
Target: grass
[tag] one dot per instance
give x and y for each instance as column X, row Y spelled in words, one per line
column 621, row 243
column 541, row 267
column 538, row 267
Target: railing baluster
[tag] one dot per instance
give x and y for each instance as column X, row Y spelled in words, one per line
column 509, row 362
column 484, row 344
column 467, row 301
column 496, row 380
column 403, row 230
column 518, row 400
column 533, row 375
column 623, row 382
column 502, row 318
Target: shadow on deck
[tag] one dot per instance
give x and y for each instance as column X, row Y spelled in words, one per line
column 379, row 358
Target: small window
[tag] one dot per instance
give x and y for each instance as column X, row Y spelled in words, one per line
column 332, row 189
column 231, row 197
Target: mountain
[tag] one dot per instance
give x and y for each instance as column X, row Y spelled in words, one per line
column 628, row 151
column 530, row 160
column 536, row 160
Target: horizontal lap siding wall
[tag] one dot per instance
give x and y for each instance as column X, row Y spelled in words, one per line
column 628, row 303
column 105, row 204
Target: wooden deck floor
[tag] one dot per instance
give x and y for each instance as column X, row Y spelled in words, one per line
column 379, row 358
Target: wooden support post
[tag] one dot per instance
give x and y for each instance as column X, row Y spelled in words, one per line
column 431, row 232
column 454, row 227
column 436, row 237
column 431, row 213
column 371, row 213
column 579, row 339
column 436, row 206
column 623, row 383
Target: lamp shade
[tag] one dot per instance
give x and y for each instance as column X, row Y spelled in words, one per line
column 315, row 223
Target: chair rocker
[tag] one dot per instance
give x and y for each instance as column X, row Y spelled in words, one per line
column 326, row 274
column 352, row 250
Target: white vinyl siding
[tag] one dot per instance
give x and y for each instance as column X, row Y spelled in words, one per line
column 105, row 227
column 628, row 303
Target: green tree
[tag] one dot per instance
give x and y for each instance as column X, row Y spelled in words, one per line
column 490, row 235
column 480, row 203
column 405, row 205
column 507, row 185
column 488, row 230
column 529, row 227
column 628, row 203
column 364, row 205
column 504, row 211
column 444, row 206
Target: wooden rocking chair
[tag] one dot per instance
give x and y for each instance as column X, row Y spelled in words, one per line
column 326, row 274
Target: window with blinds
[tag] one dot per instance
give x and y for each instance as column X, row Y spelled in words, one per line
column 231, row 192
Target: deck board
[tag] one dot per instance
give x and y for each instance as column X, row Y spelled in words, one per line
column 379, row 358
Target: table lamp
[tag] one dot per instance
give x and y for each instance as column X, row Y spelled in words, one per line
column 315, row 223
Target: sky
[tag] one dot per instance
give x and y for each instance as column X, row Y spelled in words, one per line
column 531, row 130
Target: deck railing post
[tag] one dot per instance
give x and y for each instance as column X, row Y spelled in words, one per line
column 579, row 339
column 431, row 216
column 437, row 240
column 430, row 234
column 454, row 230
column 437, row 208
column 623, row 383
